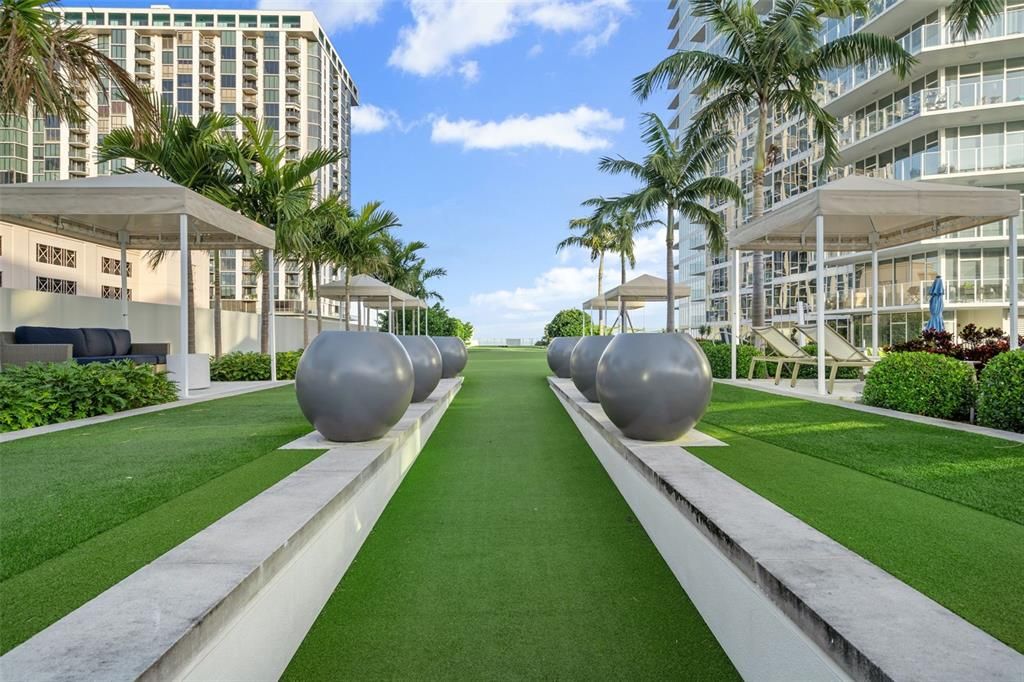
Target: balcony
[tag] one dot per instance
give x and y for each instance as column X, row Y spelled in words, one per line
column 249, row 102
column 292, row 87
column 1004, row 163
column 292, row 60
column 292, row 130
column 78, row 169
column 206, row 101
column 249, row 59
column 293, row 46
column 249, row 87
column 291, row 143
column 78, row 140
column 292, row 113
column 143, row 57
column 143, row 44
column 207, row 73
column 78, row 154
column 292, row 74
column 970, row 292
column 206, row 86
column 207, row 45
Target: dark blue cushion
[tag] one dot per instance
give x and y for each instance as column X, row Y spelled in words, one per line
column 98, row 342
column 137, row 359
column 122, row 341
column 75, row 337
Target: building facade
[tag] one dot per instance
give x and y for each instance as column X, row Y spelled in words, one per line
column 276, row 66
column 957, row 118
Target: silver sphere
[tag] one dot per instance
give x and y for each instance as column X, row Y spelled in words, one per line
column 453, row 355
column 354, row 386
column 654, row 386
column 559, row 352
column 583, row 364
column 426, row 365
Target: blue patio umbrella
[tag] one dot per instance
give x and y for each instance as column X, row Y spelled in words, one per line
column 936, row 297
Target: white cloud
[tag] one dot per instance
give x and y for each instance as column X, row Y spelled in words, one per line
column 552, row 289
column 535, row 50
column 470, row 71
column 333, row 14
column 367, row 118
column 580, row 129
column 590, row 44
column 444, row 30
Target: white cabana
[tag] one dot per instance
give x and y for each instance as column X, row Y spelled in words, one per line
column 602, row 303
column 860, row 213
column 644, row 289
column 137, row 211
column 372, row 293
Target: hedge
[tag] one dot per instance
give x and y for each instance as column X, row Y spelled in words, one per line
column 720, row 358
column 922, row 383
column 47, row 393
column 253, row 366
column 1001, row 392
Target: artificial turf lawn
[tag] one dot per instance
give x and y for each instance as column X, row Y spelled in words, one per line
column 861, row 479
column 82, row 509
column 507, row 552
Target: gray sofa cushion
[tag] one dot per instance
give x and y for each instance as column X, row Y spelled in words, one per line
column 75, row 337
column 98, row 342
column 122, row 341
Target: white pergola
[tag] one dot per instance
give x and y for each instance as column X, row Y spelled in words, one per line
column 372, row 293
column 860, row 213
column 641, row 290
column 138, row 211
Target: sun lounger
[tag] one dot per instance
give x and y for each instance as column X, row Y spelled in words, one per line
column 783, row 349
column 838, row 353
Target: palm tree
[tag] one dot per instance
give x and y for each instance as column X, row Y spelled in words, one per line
column 191, row 154
column 673, row 176
column 44, row 63
column 358, row 243
column 966, row 17
column 624, row 224
column 772, row 65
column 310, row 252
column 595, row 237
column 274, row 191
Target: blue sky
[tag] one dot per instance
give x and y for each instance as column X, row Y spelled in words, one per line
column 481, row 125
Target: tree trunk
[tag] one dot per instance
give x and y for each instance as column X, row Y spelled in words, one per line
column 600, row 281
column 319, row 303
column 267, row 302
column 348, row 297
column 217, row 306
column 191, row 304
column 757, row 304
column 670, row 269
column 305, row 306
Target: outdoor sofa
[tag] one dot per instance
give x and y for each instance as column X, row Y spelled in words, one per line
column 83, row 345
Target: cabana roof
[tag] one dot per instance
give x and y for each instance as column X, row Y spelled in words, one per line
column 144, row 207
column 645, row 288
column 863, row 212
column 370, row 291
column 602, row 303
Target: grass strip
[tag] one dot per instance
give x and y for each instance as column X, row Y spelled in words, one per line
column 507, row 552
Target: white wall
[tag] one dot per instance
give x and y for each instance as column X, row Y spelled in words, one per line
column 148, row 322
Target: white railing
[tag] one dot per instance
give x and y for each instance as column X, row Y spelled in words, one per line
column 952, row 161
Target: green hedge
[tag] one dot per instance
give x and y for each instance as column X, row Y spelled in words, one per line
column 253, row 366
column 720, row 359
column 922, row 383
column 47, row 393
column 1001, row 392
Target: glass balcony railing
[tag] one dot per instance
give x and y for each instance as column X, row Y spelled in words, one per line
column 930, row 100
column 937, row 163
column 915, row 294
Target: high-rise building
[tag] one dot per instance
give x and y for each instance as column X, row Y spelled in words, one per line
column 277, row 66
column 957, row 118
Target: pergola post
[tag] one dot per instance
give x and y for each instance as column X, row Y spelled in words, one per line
column 391, row 317
column 1016, row 224
column 874, row 300
column 426, row 320
column 819, row 296
column 272, row 340
column 403, row 316
column 183, row 306
column 122, row 239
column 734, row 306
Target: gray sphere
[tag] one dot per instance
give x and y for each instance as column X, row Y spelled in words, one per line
column 354, row 386
column 453, row 355
column 426, row 365
column 559, row 352
column 654, row 386
column 583, row 364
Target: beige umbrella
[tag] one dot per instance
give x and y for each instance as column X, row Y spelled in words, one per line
column 644, row 289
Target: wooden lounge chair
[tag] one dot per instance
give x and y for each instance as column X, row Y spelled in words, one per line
column 783, row 349
column 838, row 353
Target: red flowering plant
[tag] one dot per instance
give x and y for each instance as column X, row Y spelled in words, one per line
column 977, row 344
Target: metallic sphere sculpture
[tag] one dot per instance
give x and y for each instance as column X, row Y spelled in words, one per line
column 453, row 355
column 654, row 386
column 583, row 364
column 426, row 365
column 559, row 352
column 354, row 386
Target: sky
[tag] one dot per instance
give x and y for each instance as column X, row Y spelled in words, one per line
column 481, row 124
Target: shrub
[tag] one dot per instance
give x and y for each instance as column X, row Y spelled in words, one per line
column 1001, row 392
column 922, row 383
column 47, row 393
column 253, row 366
column 570, row 322
column 720, row 358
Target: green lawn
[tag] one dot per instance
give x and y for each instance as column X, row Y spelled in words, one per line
column 937, row 508
column 508, row 553
column 82, row 509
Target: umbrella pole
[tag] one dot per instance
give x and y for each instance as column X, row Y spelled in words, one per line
column 1016, row 224
column 819, row 296
column 874, row 300
column 122, row 238
column 735, row 295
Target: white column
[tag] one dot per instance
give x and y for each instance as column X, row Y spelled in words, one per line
column 183, row 306
column 622, row 317
column 391, row 317
column 403, row 316
column 1015, row 225
column 122, row 238
column 734, row 305
column 874, row 300
column 819, row 296
column 273, row 314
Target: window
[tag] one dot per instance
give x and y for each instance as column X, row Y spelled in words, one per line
column 272, row 67
column 55, row 255
column 182, row 19
column 52, row 285
column 185, row 108
column 226, row 20
column 227, row 81
column 112, row 266
column 114, row 292
column 227, row 52
column 184, row 81
column 140, row 20
column 162, row 20
column 185, row 53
